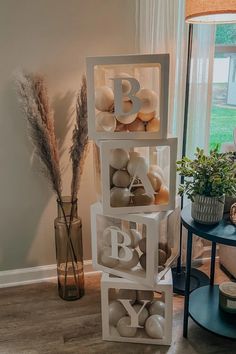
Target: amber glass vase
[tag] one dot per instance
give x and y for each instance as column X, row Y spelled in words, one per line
column 69, row 250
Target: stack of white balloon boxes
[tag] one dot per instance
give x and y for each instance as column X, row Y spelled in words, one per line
column 135, row 222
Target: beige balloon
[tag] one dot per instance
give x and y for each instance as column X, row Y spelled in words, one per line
column 146, row 117
column 136, row 126
column 153, row 125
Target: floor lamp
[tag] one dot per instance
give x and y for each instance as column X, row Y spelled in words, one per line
column 198, row 12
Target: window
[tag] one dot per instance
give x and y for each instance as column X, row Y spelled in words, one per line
column 223, row 113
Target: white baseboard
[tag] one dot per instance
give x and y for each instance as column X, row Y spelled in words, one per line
column 16, row 277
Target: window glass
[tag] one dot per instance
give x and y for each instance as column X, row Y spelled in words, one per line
column 223, row 113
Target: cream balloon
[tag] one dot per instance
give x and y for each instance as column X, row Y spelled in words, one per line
column 113, row 332
column 121, row 178
column 128, row 264
column 149, row 100
column 124, row 328
column 104, row 98
column 105, row 122
column 129, row 118
column 119, row 197
column 116, row 312
column 153, row 327
column 106, row 259
column 118, row 158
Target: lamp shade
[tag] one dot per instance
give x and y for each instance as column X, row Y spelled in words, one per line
column 210, row 11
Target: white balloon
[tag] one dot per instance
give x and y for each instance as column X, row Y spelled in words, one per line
column 106, row 259
column 129, row 118
column 135, row 237
column 119, row 197
column 142, row 244
column 153, row 327
column 118, row 158
column 149, row 100
column 121, row 178
column 123, row 327
column 106, row 235
column 135, row 162
column 157, row 308
column 126, row 85
column 143, row 314
column 105, row 122
column 116, row 312
column 104, row 98
column 131, row 263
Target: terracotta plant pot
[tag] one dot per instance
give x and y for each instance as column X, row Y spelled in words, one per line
column 207, row 210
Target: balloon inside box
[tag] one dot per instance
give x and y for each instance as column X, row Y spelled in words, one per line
column 139, row 247
column 136, row 175
column 128, row 96
column 134, row 313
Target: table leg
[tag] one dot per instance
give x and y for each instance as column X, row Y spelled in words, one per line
column 213, row 258
column 187, row 283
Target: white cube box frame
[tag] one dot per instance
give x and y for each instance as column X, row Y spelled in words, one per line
column 151, row 72
column 161, row 153
column 153, row 257
column 111, row 290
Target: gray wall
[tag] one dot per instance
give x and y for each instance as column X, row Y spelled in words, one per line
column 53, row 37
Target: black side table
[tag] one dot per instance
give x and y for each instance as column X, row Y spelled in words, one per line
column 202, row 304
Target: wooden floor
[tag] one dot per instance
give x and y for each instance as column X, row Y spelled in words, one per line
column 35, row 321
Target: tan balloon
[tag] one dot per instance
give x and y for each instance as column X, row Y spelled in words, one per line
column 156, row 180
column 141, row 198
column 126, row 119
column 121, row 127
column 146, row 117
column 162, row 257
column 104, row 98
column 136, row 126
column 105, row 122
column 153, row 125
column 162, row 197
column 149, row 100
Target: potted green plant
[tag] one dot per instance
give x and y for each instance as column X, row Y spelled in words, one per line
column 207, row 178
